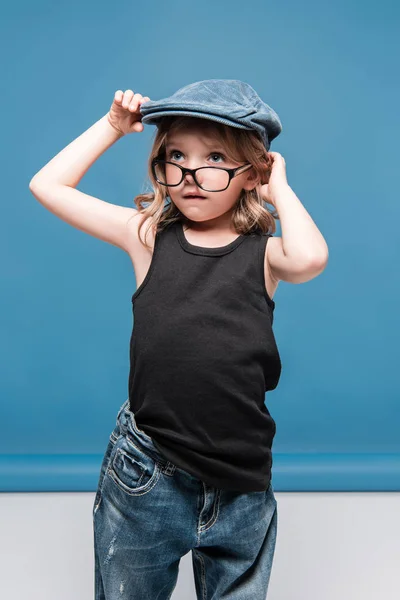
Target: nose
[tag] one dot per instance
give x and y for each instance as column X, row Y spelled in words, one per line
column 188, row 175
column 188, row 180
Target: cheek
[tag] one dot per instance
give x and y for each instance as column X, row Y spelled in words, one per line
column 231, row 195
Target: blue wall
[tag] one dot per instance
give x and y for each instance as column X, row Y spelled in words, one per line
column 331, row 73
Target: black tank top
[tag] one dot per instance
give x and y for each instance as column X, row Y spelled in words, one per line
column 202, row 355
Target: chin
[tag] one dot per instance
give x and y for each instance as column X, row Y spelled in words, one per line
column 196, row 215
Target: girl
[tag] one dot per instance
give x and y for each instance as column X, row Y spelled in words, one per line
column 188, row 464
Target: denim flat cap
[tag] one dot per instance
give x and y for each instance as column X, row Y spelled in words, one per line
column 227, row 101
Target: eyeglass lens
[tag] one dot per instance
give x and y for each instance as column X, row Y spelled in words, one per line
column 210, row 179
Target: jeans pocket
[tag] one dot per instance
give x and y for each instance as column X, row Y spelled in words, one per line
column 271, row 493
column 106, row 459
column 131, row 469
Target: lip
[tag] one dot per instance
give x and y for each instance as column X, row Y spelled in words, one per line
column 194, row 197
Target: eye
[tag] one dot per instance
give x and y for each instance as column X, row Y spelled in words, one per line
column 171, row 154
column 218, row 154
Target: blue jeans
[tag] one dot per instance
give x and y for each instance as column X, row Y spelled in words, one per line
column 148, row 513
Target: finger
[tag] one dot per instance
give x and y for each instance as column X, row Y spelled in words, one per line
column 119, row 94
column 135, row 102
column 145, row 99
column 127, row 98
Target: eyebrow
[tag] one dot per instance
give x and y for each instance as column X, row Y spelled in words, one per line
column 213, row 145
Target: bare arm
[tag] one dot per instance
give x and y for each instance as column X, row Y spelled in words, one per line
column 54, row 185
column 70, row 165
column 302, row 252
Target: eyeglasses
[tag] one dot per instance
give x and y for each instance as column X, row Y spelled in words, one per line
column 209, row 179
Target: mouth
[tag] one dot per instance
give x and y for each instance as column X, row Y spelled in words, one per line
column 194, row 196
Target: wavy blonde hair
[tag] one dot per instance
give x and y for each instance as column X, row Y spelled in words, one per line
column 240, row 145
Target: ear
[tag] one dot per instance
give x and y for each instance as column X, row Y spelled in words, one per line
column 252, row 179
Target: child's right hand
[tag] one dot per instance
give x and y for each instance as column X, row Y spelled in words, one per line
column 124, row 115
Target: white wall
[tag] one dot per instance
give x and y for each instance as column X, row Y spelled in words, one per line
column 330, row 546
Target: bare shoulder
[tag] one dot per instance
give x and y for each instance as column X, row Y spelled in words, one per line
column 271, row 281
column 136, row 228
column 139, row 254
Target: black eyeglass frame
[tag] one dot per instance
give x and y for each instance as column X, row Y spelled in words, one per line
column 231, row 172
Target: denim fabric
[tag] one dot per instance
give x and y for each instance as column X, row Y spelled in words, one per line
column 148, row 513
column 227, row 101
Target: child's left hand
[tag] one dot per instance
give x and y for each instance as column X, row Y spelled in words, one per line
column 277, row 179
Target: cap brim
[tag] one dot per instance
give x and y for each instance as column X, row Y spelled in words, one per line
column 153, row 118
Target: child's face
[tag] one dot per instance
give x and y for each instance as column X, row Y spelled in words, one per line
column 193, row 148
